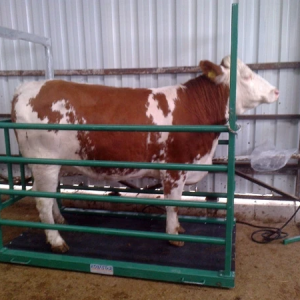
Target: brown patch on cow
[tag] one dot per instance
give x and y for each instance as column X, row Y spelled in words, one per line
column 200, row 102
column 162, row 103
column 96, row 104
column 14, row 113
column 170, row 181
column 13, row 110
column 43, row 108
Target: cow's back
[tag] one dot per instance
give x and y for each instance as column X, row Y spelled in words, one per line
column 62, row 102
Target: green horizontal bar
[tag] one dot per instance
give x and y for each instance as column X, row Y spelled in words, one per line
column 118, row 127
column 120, row 268
column 223, row 142
column 120, row 232
column 117, row 199
column 140, row 215
column 10, row 201
column 114, row 164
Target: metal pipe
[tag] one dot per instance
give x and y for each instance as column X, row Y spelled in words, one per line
column 130, row 128
column 263, row 197
column 29, row 37
column 231, row 144
column 8, row 153
column 141, row 71
column 267, row 186
column 290, row 117
column 297, row 189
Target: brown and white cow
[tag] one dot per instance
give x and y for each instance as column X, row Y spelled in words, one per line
column 199, row 101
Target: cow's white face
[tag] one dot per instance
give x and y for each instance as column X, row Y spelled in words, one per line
column 252, row 89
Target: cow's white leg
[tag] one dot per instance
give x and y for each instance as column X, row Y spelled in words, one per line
column 46, row 179
column 173, row 183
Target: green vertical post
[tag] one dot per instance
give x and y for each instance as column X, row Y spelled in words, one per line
column 1, row 240
column 10, row 173
column 22, row 173
column 8, row 153
column 1, row 233
column 231, row 146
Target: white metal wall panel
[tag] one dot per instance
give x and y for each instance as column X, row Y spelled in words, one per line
column 97, row 34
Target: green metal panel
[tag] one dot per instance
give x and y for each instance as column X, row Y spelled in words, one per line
column 222, row 278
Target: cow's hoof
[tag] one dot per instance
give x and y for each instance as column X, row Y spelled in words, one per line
column 177, row 243
column 60, row 249
column 61, row 220
column 181, row 229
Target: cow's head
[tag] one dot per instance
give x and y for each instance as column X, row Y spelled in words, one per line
column 252, row 89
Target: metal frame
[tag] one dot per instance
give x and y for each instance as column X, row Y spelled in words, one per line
column 25, row 36
column 222, row 278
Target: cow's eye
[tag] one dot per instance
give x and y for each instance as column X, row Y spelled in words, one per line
column 247, row 77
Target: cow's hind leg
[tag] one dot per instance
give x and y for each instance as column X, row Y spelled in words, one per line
column 173, row 183
column 58, row 218
column 46, row 180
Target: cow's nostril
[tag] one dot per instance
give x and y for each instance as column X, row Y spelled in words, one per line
column 276, row 92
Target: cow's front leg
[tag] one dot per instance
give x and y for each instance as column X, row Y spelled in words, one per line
column 45, row 180
column 173, row 183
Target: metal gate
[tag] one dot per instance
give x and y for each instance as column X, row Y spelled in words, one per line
column 224, row 276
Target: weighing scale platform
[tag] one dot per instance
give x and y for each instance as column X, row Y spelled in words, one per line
column 129, row 249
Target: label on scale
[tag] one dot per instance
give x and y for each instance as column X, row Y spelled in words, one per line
column 102, row 269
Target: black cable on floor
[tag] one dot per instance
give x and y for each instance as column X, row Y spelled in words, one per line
column 269, row 234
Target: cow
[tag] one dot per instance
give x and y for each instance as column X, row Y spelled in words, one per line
column 200, row 101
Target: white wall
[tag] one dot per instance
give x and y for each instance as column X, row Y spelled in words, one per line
column 161, row 33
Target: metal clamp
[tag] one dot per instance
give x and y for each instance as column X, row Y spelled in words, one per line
column 238, row 128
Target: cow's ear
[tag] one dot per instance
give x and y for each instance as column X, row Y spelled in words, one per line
column 210, row 70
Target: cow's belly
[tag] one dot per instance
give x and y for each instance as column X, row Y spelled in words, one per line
column 111, row 173
column 65, row 145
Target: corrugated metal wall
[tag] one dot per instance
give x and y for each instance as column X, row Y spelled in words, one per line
column 160, row 33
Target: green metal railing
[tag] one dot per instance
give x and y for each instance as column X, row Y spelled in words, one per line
column 224, row 277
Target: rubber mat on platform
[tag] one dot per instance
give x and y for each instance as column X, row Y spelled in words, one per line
column 139, row 250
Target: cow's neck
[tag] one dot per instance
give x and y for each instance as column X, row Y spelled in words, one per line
column 208, row 101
